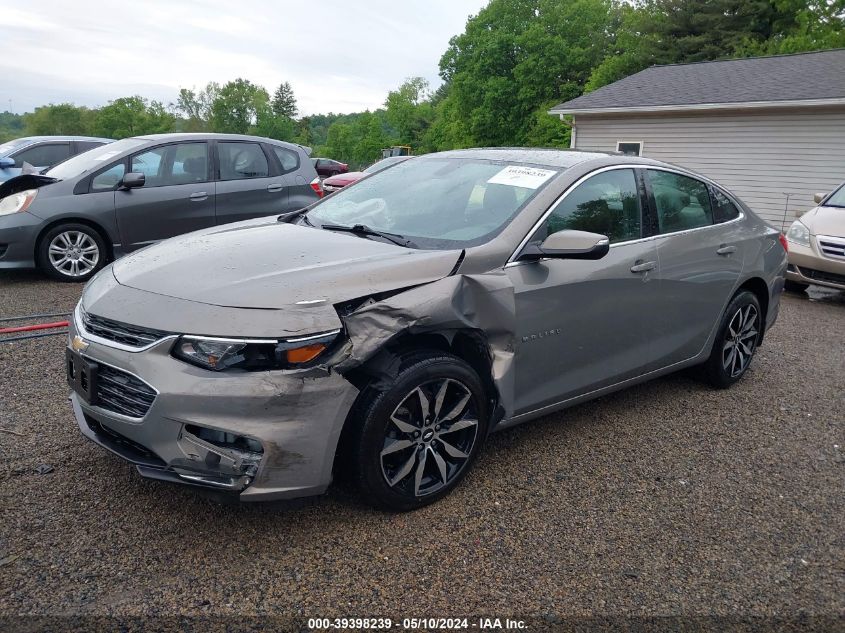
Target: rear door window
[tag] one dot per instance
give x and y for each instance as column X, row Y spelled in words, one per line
column 242, row 160
column 84, row 146
column 681, row 202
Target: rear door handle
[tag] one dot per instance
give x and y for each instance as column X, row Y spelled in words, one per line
column 274, row 188
column 643, row 267
column 726, row 250
column 198, row 196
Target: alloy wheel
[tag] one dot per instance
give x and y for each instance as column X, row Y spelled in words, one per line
column 73, row 253
column 430, row 437
column 740, row 340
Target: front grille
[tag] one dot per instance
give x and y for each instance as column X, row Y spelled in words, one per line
column 822, row 275
column 131, row 335
column 123, row 393
column 832, row 246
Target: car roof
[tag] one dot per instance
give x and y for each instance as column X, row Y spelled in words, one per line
column 35, row 139
column 539, row 156
column 559, row 158
column 211, row 136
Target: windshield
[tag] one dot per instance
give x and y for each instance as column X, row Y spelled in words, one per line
column 438, row 203
column 5, row 148
column 837, row 199
column 93, row 159
column 383, row 164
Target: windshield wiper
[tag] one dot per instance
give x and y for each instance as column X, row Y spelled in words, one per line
column 363, row 229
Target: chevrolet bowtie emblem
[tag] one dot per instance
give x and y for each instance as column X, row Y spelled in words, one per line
column 79, row 344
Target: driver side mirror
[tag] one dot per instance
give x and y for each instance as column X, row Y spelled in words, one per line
column 569, row 245
column 6, row 162
column 818, row 197
column 133, row 180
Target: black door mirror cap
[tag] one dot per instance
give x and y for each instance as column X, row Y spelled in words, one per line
column 133, row 180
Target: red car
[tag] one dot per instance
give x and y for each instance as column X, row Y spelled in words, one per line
column 340, row 181
column 327, row 167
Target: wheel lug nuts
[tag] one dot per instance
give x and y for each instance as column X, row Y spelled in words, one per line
column 437, row 428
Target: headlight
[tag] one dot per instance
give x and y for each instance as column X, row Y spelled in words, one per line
column 798, row 233
column 219, row 354
column 17, row 201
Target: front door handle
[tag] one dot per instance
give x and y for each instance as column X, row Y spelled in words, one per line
column 274, row 188
column 724, row 249
column 198, row 196
column 643, row 267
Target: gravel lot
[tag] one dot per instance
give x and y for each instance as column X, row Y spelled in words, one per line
column 666, row 499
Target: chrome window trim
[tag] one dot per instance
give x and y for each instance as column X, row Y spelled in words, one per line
column 512, row 261
column 93, row 338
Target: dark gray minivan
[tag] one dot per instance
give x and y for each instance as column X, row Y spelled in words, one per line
column 118, row 198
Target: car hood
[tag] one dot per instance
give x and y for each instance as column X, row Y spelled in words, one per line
column 272, row 265
column 17, row 182
column 825, row 221
column 342, row 180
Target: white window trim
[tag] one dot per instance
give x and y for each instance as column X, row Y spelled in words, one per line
column 640, row 143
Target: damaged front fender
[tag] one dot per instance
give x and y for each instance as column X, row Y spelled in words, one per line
column 482, row 303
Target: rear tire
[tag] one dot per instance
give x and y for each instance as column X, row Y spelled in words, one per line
column 736, row 341
column 794, row 286
column 418, row 437
column 71, row 252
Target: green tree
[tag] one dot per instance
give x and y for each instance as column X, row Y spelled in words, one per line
column 237, row 107
column 284, row 102
column 370, row 139
column 409, row 111
column 340, row 142
column 131, row 116
column 515, row 56
column 652, row 32
column 195, row 107
column 57, row 119
column 11, row 126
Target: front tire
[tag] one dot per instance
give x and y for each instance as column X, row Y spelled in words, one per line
column 736, row 341
column 71, row 252
column 418, row 437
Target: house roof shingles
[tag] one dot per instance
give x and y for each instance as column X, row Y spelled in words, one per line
column 800, row 77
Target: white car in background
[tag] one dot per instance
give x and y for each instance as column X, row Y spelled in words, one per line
column 817, row 245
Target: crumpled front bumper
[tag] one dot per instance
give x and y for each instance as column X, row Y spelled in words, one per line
column 296, row 417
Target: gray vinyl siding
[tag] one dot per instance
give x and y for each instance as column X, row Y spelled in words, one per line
column 758, row 156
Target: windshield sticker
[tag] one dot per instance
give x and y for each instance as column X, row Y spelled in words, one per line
column 517, row 176
column 105, row 156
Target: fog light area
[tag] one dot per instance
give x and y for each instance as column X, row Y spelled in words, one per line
column 218, row 458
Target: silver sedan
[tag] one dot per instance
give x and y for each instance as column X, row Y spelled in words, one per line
column 383, row 332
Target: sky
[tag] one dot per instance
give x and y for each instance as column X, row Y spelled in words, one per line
column 338, row 56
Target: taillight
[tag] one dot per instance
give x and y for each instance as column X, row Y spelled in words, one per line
column 317, row 187
column 783, row 242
